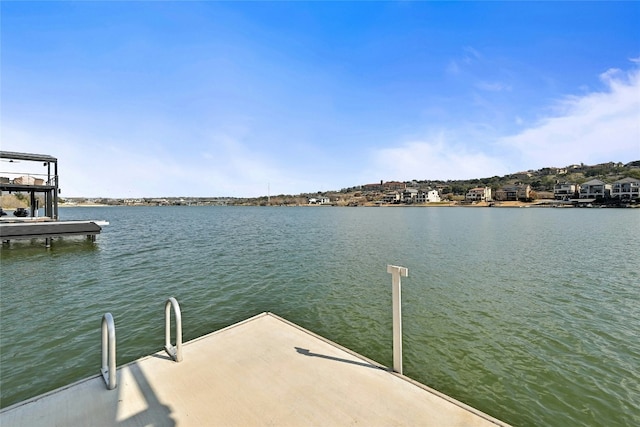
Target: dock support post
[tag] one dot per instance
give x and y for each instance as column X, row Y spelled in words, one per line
column 396, row 272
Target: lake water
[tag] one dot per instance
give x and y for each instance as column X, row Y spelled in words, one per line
column 530, row 315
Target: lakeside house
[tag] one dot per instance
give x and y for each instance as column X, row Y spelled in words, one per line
column 565, row 191
column 595, row 189
column 411, row 195
column 429, row 196
column 626, row 188
column 320, row 201
column 518, row 192
column 478, row 194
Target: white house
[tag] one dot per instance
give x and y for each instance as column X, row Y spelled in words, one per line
column 393, row 197
column 429, row 196
column 595, row 189
column 626, row 188
column 410, row 195
column 478, row 194
column 320, row 201
column 564, row 190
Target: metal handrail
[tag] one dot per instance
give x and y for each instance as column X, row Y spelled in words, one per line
column 175, row 352
column 108, row 369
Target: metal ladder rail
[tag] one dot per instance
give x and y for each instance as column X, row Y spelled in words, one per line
column 175, row 352
column 108, row 368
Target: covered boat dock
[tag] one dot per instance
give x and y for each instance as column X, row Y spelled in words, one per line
column 33, row 183
column 38, row 186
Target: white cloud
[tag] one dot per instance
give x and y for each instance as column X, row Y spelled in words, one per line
column 436, row 157
column 593, row 128
column 240, row 170
column 104, row 169
column 469, row 56
column 453, row 68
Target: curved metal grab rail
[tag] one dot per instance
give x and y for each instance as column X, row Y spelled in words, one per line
column 108, row 369
column 174, row 351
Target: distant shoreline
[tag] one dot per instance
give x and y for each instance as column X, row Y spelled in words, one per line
column 85, row 205
column 505, row 204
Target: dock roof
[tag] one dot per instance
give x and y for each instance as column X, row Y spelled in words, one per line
column 27, row 156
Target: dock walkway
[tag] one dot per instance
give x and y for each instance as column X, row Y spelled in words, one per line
column 262, row 371
column 34, row 228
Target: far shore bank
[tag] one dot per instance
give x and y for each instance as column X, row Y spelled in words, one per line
column 505, row 204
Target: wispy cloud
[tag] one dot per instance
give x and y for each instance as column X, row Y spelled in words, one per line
column 435, row 157
column 453, row 67
column 469, row 55
column 104, row 169
column 592, row 128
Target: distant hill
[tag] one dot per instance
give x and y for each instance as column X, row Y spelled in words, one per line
column 541, row 180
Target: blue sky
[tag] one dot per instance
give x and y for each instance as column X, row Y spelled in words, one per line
column 245, row 98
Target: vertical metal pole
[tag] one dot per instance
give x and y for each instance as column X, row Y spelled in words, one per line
column 396, row 301
column 32, row 202
column 55, row 192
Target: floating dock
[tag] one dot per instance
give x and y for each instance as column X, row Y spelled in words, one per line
column 47, row 229
column 262, row 371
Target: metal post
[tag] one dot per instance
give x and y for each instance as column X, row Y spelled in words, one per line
column 108, row 369
column 174, row 352
column 396, row 272
column 32, row 202
column 55, row 192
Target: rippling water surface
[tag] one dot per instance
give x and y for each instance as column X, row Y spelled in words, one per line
column 530, row 315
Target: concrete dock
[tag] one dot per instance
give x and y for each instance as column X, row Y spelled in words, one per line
column 262, row 371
